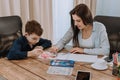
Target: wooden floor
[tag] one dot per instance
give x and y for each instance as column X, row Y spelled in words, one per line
column 35, row 69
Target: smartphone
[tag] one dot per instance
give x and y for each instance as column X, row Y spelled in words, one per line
column 83, row 75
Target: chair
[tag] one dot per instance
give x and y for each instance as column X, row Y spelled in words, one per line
column 113, row 29
column 10, row 29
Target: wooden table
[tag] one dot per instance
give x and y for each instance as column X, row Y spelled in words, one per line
column 35, row 69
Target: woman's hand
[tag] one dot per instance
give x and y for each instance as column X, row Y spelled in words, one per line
column 77, row 50
column 53, row 49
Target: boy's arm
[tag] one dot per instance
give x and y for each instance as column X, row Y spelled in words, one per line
column 45, row 43
column 15, row 51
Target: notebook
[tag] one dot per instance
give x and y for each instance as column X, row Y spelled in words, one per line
column 62, row 63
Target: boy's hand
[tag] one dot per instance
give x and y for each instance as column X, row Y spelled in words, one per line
column 35, row 52
column 38, row 47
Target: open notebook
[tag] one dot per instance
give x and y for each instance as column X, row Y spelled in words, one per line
column 70, row 56
column 77, row 57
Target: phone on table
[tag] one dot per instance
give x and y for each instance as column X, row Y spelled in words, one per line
column 83, row 75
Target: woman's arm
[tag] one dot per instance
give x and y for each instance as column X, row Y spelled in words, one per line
column 66, row 38
column 102, row 47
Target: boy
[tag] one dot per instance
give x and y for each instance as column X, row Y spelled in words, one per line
column 31, row 44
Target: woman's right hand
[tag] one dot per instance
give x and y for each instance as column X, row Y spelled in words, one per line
column 53, row 49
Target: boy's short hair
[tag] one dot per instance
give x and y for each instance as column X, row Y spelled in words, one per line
column 33, row 27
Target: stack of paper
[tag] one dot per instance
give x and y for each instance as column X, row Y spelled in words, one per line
column 77, row 57
column 60, row 70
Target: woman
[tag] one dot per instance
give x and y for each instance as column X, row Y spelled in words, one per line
column 88, row 37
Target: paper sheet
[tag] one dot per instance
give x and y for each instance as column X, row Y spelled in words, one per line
column 77, row 57
column 47, row 55
column 60, row 70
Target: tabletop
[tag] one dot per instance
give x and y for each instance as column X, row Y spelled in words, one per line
column 36, row 69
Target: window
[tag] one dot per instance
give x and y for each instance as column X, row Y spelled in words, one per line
column 108, row 7
column 61, row 18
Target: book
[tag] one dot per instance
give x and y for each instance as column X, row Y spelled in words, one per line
column 62, row 63
column 61, row 67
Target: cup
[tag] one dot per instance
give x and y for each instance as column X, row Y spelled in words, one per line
column 100, row 64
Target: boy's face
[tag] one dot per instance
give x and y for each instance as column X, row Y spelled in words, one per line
column 32, row 38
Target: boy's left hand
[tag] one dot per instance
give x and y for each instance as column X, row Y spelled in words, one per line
column 38, row 47
column 35, row 52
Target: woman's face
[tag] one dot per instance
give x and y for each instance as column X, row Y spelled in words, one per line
column 78, row 22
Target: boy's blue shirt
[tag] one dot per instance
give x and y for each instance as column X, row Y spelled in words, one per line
column 20, row 47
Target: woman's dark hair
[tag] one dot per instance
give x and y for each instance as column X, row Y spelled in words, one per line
column 85, row 14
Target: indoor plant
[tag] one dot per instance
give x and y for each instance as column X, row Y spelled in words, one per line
column 118, row 75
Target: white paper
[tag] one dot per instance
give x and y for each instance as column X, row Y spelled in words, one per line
column 47, row 55
column 60, row 70
column 77, row 57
